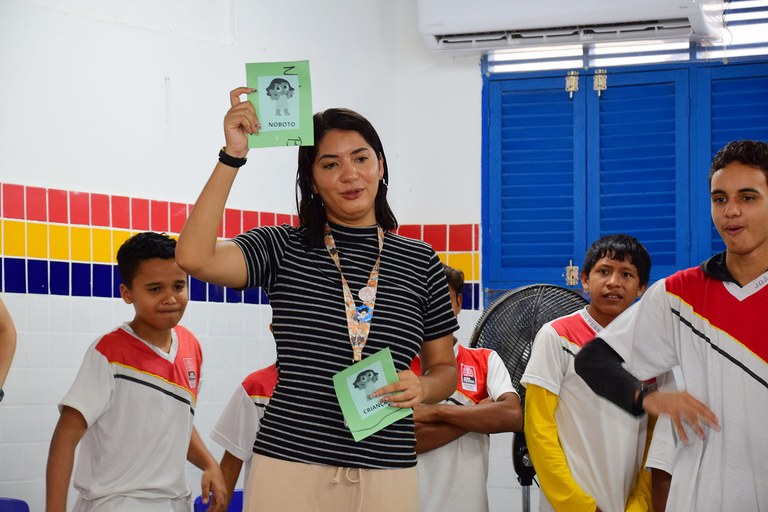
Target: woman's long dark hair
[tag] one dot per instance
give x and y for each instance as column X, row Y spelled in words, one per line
column 312, row 214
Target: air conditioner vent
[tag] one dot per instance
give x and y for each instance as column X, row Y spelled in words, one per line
column 651, row 29
column 472, row 25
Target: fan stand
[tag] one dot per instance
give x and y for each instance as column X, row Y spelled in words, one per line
column 523, row 467
column 509, row 326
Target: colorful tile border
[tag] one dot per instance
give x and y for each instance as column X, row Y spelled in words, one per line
column 63, row 242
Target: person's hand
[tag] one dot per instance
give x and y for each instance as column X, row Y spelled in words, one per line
column 406, row 392
column 213, row 482
column 239, row 122
column 684, row 409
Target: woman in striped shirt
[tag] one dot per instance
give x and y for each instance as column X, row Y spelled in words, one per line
column 342, row 286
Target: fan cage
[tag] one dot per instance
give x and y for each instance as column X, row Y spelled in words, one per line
column 509, row 325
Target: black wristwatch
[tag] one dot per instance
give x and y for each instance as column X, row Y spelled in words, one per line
column 645, row 390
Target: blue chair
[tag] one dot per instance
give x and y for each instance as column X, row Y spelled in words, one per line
column 235, row 504
column 13, row 505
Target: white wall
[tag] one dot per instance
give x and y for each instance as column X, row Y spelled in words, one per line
column 128, row 97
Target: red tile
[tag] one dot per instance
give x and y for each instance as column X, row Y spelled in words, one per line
column 282, row 218
column 250, row 220
column 139, row 214
column 121, row 212
column 295, row 220
column 460, row 237
column 58, row 210
column 410, row 231
column 80, row 208
column 37, row 209
column 233, row 222
column 178, row 216
column 13, row 201
column 436, row 235
column 266, row 219
column 477, row 238
column 159, row 216
column 100, row 210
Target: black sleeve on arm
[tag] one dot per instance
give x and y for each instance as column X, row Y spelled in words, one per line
column 601, row 368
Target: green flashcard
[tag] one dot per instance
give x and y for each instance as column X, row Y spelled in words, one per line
column 283, row 101
column 365, row 416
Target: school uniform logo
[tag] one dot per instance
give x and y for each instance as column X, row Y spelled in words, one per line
column 191, row 374
column 468, row 377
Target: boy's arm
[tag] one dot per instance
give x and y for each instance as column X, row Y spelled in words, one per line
column 557, row 482
column 213, row 480
column 7, row 342
column 487, row 417
column 230, row 469
column 430, row 436
column 61, row 457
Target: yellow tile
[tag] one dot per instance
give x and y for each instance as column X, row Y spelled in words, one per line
column 14, row 238
column 58, row 236
column 102, row 245
column 81, row 243
column 462, row 261
column 442, row 256
column 37, row 240
column 476, row 265
column 118, row 238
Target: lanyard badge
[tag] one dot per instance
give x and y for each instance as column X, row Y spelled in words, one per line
column 358, row 318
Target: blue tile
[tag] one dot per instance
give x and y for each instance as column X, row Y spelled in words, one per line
column 264, row 298
column 476, row 295
column 198, row 290
column 59, row 277
column 1, row 273
column 215, row 293
column 102, row 280
column 15, row 271
column 37, row 276
column 466, row 296
column 81, row 280
column 117, row 280
column 252, row 295
column 234, row 296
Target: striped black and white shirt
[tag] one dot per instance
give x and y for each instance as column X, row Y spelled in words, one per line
column 303, row 421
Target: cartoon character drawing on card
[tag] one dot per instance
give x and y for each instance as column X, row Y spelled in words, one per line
column 280, row 90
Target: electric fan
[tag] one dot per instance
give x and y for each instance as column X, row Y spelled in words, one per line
column 509, row 326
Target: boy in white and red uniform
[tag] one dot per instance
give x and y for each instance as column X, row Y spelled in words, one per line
column 452, row 437
column 712, row 321
column 133, row 401
column 586, row 451
column 239, row 423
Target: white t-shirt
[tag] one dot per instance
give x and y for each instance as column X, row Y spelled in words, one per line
column 718, row 333
column 453, row 478
column 239, row 423
column 139, row 403
column 597, row 437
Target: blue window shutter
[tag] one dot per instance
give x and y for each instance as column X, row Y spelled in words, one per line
column 533, row 224
column 638, row 164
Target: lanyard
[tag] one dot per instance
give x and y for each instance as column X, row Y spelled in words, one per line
column 358, row 318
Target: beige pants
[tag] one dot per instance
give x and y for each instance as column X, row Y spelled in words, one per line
column 280, row 486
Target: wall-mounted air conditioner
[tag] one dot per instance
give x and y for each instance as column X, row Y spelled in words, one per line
column 482, row 25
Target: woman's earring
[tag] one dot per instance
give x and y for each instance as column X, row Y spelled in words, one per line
column 384, row 182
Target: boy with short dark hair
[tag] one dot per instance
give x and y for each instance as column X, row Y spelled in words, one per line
column 132, row 403
column 452, row 437
column 587, row 452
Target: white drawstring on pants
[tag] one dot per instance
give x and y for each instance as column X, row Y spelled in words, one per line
column 337, row 478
